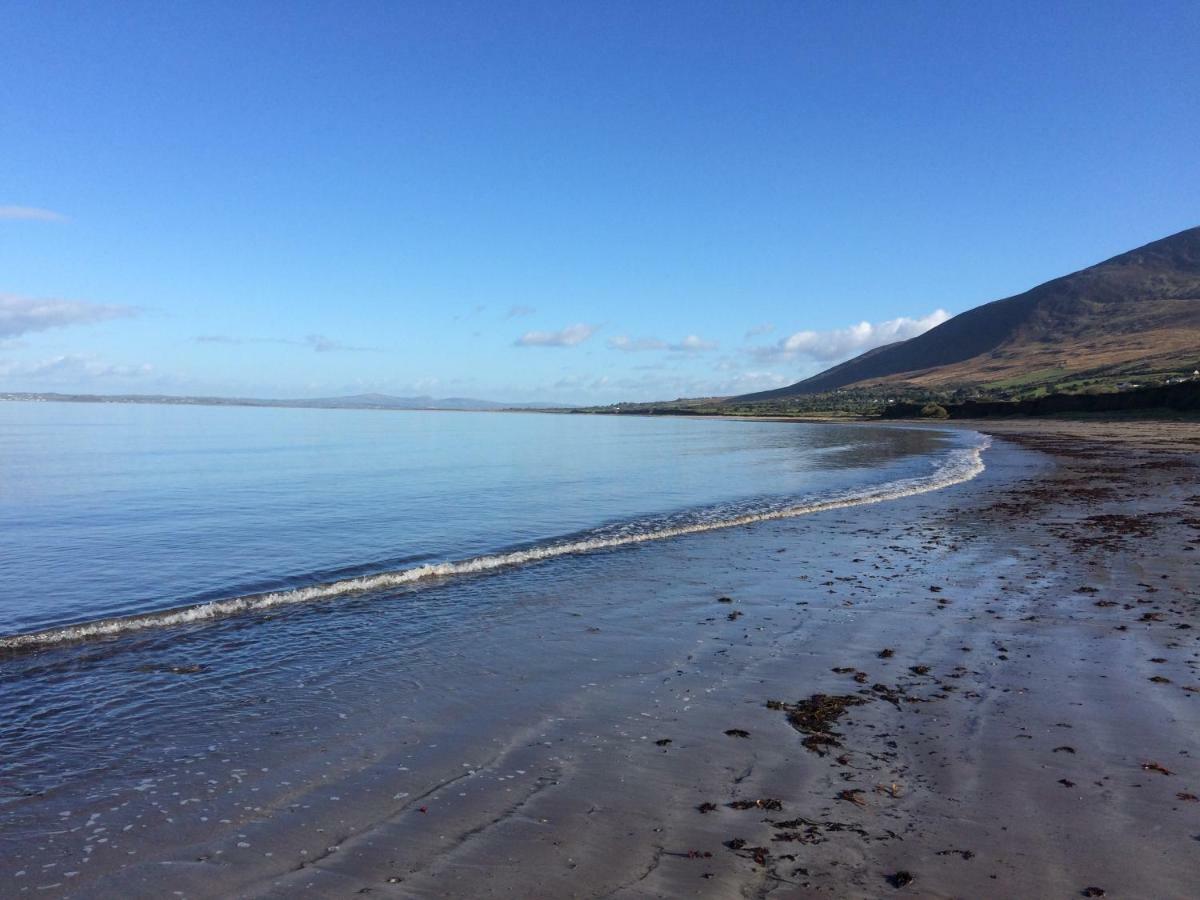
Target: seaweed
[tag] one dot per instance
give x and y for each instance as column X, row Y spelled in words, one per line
column 815, row 716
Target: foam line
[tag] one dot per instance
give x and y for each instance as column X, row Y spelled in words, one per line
column 961, row 465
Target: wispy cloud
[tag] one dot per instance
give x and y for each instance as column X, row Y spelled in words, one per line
column 690, row 344
column 570, row 336
column 31, row 214
column 239, row 341
column 317, row 342
column 748, row 382
column 582, row 383
column 476, row 310
column 22, row 315
column 693, row 344
column 519, row 311
column 323, row 344
column 665, row 380
column 629, row 344
column 759, row 330
column 826, row 346
column 661, row 386
column 70, row 367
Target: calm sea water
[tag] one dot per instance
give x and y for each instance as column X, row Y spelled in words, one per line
column 187, row 583
column 114, row 510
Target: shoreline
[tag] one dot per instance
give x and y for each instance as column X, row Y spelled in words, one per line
column 577, row 760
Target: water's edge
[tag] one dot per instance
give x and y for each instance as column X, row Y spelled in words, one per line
column 962, row 465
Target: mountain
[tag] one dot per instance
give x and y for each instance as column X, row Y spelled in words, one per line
column 387, row 401
column 1134, row 314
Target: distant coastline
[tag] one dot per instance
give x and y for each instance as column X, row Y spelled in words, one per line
column 1169, row 401
column 360, row 401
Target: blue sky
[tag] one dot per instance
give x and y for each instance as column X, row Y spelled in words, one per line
column 574, row 202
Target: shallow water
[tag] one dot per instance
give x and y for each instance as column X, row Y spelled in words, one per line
column 115, row 511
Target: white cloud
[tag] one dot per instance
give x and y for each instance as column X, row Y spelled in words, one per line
column 71, row 366
column 567, row 337
column 633, row 345
column 22, row 315
column 516, row 312
column 826, row 346
column 758, row 330
column 31, row 214
column 693, row 344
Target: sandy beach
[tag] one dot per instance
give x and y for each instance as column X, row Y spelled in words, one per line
column 985, row 691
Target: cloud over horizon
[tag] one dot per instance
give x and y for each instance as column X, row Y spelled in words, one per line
column 667, row 386
column 323, row 344
column 23, row 315
column 627, row 344
column 317, row 342
column 230, row 339
column 69, row 367
column 31, row 214
column 758, row 330
column 693, row 344
column 827, row 346
column 690, row 344
column 570, row 336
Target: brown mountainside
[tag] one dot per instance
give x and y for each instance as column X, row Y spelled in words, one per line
column 1135, row 313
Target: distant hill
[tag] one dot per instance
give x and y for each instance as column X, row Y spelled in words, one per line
column 357, row 401
column 386, row 401
column 1134, row 314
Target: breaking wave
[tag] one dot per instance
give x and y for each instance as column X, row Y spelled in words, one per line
column 959, row 466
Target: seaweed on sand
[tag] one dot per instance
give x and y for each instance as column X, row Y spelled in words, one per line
column 815, row 716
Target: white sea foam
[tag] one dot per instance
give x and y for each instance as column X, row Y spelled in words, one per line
column 961, row 465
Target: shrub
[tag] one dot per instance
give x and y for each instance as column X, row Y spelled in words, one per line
column 934, row 411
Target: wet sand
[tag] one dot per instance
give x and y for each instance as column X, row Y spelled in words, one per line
column 988, row 691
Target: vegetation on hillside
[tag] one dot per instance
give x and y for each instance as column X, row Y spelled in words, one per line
column 869, row 402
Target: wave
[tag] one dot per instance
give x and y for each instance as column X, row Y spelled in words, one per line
column 961, row 465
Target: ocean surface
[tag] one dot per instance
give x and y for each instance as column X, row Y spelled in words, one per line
column 115, row 518
column 188, row 583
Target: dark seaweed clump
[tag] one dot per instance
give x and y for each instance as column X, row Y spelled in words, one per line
column 815, row 717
